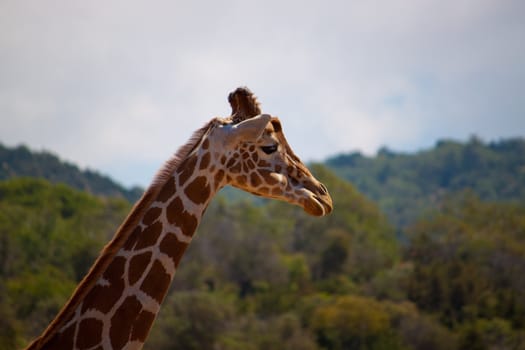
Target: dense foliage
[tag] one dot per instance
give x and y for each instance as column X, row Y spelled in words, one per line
column 469, row 271
column 264, row 275
column 49, row 237
column 22, row 162
column 406, row 185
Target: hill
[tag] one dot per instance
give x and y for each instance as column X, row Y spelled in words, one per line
column 22, row 162
column 407, row 185
column 267, row 276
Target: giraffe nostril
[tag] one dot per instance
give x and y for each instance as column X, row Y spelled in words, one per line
column 324, row 190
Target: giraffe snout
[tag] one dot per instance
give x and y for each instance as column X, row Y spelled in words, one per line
column 325, row 200
column 318, row 201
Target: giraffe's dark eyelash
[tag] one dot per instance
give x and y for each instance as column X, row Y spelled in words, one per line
column 269, row 149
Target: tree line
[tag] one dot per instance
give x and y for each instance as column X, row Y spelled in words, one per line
column 20, row 161
column 405, row 186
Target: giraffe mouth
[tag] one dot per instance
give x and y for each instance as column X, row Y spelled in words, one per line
column 318, row 205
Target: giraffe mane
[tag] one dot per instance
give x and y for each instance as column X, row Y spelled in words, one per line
column 164, row 173
column 121, row 235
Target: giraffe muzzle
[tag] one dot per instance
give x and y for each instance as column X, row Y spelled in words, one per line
column 318, row 201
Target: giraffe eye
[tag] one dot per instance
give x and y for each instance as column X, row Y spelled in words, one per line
column 269, row 149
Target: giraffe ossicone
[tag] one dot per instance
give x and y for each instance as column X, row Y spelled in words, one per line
column 116, row 303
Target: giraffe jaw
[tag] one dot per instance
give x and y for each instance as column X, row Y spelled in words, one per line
column 312, row 196
column 317, row 205
column 314, row 199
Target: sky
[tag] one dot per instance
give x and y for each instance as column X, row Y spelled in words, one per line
column 118, row 86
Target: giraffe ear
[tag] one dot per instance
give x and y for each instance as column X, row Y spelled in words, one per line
column 244, row 104
column 250, row 129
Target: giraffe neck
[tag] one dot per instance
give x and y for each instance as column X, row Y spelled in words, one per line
column 119, row 308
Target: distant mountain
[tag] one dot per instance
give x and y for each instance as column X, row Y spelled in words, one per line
column 407, row 185
column 22, row 162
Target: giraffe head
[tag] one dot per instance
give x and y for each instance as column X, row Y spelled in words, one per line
column 256, row 157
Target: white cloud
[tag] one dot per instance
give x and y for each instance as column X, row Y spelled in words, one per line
column 121, row 84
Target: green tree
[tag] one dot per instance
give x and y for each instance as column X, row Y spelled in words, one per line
column 49, row 237
column 468, row 266
column 353, row 322
column 191, row 320
column 408, row 185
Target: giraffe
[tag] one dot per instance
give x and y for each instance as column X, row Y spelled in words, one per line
column 114, row 306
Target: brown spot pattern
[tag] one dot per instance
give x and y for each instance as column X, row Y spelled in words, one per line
column 156, row 282
column 205, row 161
column 151, row 215
column 219, row 176
column 122, row 322
column 241, row 180
column 137, row 266
column 189, row 224
column 205, row 144
column 115, row 270
column 236, row 168
column 264, row 190
column 63, row 340
column 70, row 318
column 174, row 209
column 171, row 246
column 230, row 162
column 167, row 191
column 142, row 326
column 103, row 298
column 179, row 217
column 198, row 190
column 89, row 333
column 132, row 239
column 188, row 167
column 255, row 180
column 149, row 236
